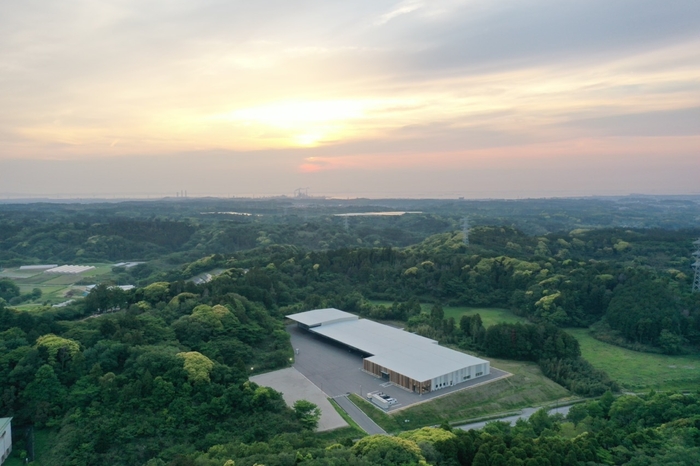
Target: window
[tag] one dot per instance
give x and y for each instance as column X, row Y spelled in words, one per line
column 478, row 374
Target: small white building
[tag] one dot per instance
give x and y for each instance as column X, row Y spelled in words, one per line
column 5, row 438
column 38, row 267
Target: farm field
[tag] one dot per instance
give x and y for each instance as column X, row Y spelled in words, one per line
column 640, row 371
column 53, row 286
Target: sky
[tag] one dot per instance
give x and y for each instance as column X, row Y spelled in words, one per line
column 435, row 98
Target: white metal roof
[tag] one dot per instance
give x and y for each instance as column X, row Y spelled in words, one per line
column 38, row 267
column 321, row 317
column 372, row 337
column 425, row 363
column 412, row 355
column 4, row 421
column 70, row 269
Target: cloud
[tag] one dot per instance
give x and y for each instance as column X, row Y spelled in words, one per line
column 403, row 8
column 363, row 86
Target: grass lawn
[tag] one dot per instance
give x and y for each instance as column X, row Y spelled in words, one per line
column 526, row 388
column 640, row 371
column 52, row 293
column 100, row 269
column 31, row 307
column 45, row 289
column 66, row 279
column 489, row 315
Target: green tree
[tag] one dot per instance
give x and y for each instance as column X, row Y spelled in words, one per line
column 44, row 396
column 307, row 413
column 197, row 366
column 437, row 314
column 389, row 451
column 8, row 289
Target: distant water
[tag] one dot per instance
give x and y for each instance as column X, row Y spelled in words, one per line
column 228, row 213
column 377, row 214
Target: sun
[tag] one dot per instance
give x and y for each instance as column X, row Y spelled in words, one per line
column 299, row 123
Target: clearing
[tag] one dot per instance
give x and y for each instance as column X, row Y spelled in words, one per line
column 634, row 370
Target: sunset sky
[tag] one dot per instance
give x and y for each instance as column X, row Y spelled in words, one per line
column 438, row 98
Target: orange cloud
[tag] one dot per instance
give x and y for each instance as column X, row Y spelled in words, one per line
column 613, row 147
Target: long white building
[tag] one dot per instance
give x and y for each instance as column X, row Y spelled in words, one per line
column 413, row 362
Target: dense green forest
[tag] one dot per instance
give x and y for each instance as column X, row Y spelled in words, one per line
column 658, row 429
column 165, row 379
column 187, row 229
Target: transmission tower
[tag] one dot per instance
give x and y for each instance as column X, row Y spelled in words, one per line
column 465, row 230
column 346, row 221
column 696, row 266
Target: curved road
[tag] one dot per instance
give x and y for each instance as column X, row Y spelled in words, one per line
column 524, row 414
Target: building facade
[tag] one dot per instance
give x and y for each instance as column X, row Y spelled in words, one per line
column 407, row 360
column 5, row 438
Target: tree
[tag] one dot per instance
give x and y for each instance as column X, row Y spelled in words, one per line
column 55, row 345
column 437, row 314
column 197, row 366
column 669, row 342
column 307, row 413
column 385, row 450
column 44, row 395
column 8, row 289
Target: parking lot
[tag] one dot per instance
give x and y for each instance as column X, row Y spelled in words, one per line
column 336, row 370
column 294, row 386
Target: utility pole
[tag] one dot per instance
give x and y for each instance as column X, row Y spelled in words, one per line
column 465, row 230
column 696, row 266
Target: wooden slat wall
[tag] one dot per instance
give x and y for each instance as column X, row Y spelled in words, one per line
column 402, row 381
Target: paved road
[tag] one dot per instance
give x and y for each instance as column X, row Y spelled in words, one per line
column 367, row 424
column 524, row 414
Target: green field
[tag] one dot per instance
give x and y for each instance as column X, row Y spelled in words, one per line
column 53, row 286
column 631, row 369
column 640, row 371
column 526, row 388
column 48, row 292
column 489, row 316
column 100, row 269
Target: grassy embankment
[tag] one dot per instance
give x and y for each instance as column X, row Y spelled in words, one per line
column 352, row 431
column 636, row 371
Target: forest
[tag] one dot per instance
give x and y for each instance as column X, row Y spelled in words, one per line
column 158, row 375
